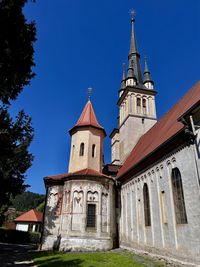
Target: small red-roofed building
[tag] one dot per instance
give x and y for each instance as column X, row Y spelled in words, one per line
column 30, row 221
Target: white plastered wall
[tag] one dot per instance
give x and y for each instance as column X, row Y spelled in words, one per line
column 164, row 236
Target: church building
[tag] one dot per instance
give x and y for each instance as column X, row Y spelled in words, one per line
column 148, row 197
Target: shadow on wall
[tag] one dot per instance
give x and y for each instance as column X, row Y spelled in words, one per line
column 197, row 144
column 51, row 216
column 56, row 244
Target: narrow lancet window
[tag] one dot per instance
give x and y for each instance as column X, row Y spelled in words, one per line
column 93, row 151
column 147, row 212
column 178, row 196
column 81, row 153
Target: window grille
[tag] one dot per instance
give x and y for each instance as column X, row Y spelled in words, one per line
column 91, row 215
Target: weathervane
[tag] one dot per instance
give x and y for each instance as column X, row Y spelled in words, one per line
column 89, row 93
column 132, row 14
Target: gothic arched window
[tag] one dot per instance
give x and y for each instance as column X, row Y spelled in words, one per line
column 138, row 105
column 179, row 203
column 93, row 151
column 144, row 106
column 81, row 152
column 147, row 212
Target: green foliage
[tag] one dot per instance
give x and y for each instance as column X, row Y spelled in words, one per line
column 18, row 237
column 34, row 237
column 27, row 201
column 41, row 207
column 16, row 61
column 15, row 138
column 16, row 45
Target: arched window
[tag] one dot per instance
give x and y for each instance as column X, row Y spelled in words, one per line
column 138, row 105
column 81, row 152
column 147, row 213
column 179, row 203
column 93, row 151
column 144, row 106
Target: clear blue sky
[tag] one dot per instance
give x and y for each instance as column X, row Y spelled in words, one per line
column 84, row 43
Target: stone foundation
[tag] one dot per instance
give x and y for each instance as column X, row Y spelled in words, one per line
column 77, row 244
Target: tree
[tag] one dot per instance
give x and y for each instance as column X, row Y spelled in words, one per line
column 27, row 201
column 16, row 61
column 15, row 159
column 16, row 45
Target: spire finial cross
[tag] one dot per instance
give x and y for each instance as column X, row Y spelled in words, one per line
column 132, row 14
column 89, row 92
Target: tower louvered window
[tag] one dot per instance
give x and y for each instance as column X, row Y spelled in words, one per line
column 81, row 153
column 178, row 196
column 138, row 105
column 147, row 212
column 91, row 215
column 144, row 106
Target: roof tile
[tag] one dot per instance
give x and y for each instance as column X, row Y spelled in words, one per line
column 88, row 117
column 30, row 216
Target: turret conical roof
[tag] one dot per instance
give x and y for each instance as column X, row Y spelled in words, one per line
column 88, row 118
column 147, row 74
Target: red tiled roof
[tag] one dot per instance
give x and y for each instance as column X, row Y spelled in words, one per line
column 88, row 117
column 30, row 216
column 163, row 130
column 87, row 171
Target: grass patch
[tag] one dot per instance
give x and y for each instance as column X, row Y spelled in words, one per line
column 94, row 259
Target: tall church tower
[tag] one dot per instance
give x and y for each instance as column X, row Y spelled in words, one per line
column 86, row 142
column 137, row 112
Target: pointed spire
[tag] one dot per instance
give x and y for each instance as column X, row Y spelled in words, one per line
column 147, row 74
column 88, row 117
column 123, row 81
column 123, row 72
column 133, row 53
column 130, row 73
column 133, row 44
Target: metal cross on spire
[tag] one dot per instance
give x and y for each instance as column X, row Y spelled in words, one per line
column 89, row 92
column 132, row 14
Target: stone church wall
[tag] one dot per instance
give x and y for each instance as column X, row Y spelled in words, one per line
column 164, row 236
column 69, row 216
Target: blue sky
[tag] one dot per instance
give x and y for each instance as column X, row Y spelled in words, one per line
column 84, row 43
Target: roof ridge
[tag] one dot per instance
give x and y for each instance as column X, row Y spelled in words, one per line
column 85, row 171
